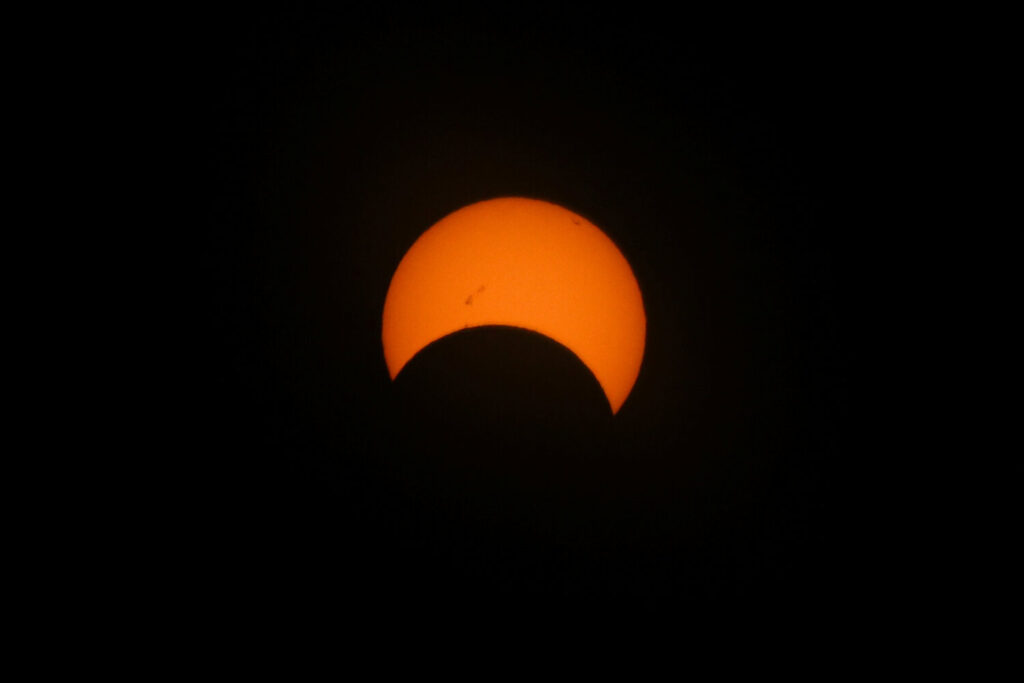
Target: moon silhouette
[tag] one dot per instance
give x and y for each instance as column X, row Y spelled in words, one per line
column 522, row 263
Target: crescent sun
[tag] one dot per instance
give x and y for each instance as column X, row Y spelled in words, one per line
column 521, row 263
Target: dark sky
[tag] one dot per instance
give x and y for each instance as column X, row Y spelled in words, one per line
column 492, row 470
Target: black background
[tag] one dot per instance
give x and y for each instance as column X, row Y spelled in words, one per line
column 721, row 164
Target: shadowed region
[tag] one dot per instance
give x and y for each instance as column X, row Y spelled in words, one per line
column 506, row 381
column 500, row 416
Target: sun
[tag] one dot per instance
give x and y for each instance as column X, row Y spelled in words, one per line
column 523, row 263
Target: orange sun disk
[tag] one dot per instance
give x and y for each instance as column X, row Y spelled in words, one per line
column 521, row 263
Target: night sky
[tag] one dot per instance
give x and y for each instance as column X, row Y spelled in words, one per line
column 492, row 470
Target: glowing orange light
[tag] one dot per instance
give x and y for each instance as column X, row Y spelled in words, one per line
column 522, row 263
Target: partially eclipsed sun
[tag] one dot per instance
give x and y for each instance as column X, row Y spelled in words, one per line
column 521, row 263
